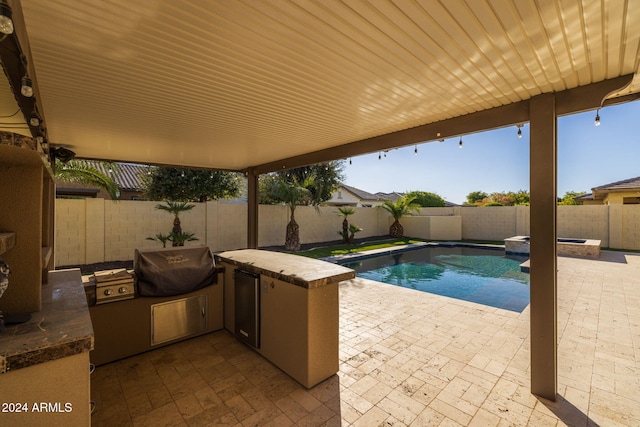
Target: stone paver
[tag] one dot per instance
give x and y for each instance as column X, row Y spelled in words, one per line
column 407, row 358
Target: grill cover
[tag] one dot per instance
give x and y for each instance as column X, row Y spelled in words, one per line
column 173, row 271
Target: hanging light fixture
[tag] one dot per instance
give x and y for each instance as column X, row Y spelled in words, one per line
column 597, row 119
column 350, row 162
column 379, row 156
column 519, row 131
column 460, row 143
column 27, row 87
column 6, row 23
column 34, row 119
column 415, row 150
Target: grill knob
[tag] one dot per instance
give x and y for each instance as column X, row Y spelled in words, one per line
column 108, row 292
column 122, row 290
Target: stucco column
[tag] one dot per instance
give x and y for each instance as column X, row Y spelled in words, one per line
column 543, row 167
column 252, row 209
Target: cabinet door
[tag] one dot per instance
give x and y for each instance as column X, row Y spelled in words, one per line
column 177, row 319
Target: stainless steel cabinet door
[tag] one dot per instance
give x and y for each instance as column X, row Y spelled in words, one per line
column 177, row 319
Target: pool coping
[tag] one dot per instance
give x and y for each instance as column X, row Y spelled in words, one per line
column 355, row 256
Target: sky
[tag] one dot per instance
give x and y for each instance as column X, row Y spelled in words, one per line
column 497, row 161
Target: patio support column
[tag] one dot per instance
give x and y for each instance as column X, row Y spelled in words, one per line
column 543, row 308
column 252, row 209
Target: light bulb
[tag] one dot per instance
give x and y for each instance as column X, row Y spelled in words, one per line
column 460, row 143
column 350, row 162
column 27, row 87
column 415, row 150
column 34, row 120
column 597, row 120
column 519, row 133
column 379, row 156
column 182, row 174
column 6, row 23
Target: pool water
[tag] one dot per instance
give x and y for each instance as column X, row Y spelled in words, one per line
column 483, row 276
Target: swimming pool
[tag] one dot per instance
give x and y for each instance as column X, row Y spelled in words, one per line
column 483, row 276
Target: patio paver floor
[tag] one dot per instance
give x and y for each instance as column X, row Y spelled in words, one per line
column 407, row 358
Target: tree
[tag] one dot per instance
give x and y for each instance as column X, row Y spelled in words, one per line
column 402, row 207
column 81, row 172
column 190, row 185
column 292, row 193
column 327, row 178
column 475, row 197
column 353, row 229
column 569, row 198
column 522, row 198
column 345, row 212
column 426, row 199
column 505, row 198
column 177, row 237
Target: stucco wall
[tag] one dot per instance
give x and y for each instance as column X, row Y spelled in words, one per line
column 96, row 230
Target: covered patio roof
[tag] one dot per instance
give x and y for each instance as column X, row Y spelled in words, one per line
column 242, row 84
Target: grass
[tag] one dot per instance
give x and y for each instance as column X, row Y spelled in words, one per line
column 328, row 251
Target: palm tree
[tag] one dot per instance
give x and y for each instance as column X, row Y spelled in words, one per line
column 175, row 208
column 403, row 206
column 292, row 193
column 81, row 172
column 345, row 212
column 353, row 229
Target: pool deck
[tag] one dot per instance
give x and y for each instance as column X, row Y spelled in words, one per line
column 407, row 358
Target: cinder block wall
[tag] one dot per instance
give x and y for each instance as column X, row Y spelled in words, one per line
column 489, row 223
column 630, row 226
column 585, row 222
column 71, row 232
column 95, row 230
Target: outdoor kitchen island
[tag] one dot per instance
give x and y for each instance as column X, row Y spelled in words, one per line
column 295, row 313
column 44, row 362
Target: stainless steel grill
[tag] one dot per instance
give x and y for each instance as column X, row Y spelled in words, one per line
column 113, row 285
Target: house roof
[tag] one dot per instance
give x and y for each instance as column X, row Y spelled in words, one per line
column 128, row 176
column 599, row 193
column 271, row 85
column 392, row 197
column 625, row 184
column 361, row 194
column 588, row 196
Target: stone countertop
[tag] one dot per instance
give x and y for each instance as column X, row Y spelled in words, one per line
column 60, row 329
column 295, row 269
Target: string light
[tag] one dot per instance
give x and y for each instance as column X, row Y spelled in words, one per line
column 379, row 156
column 460, row 143
column 415, row 150
column 597, row 119
column 350, row 162
column 519, row 131
column 182, row 174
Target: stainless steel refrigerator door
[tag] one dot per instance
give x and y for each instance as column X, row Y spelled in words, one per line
column 247, row 306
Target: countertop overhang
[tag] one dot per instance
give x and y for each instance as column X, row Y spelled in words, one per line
column 295, row 269
column 61, row 329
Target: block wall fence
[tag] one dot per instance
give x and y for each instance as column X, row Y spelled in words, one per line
column 97, row 230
